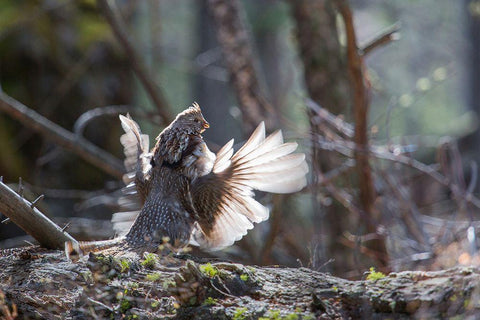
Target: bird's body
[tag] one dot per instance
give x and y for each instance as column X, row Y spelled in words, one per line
column 190, row 195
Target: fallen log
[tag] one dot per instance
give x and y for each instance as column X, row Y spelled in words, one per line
column 38, row 283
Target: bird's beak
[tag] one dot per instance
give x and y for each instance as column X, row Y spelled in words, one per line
column 206, row 125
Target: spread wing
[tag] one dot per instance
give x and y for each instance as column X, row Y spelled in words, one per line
column 223, row 199
column 137, row 164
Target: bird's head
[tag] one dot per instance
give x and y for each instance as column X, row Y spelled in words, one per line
column 191, row 119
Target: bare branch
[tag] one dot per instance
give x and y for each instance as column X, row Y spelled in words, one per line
column 66, row 139
column 367, row 192
column 383, row 38
column 31, row 220
column 348, row 148
column 335, row 121
column 153, row 90
column 37, row 200
column 360, row 108
column 91, row 114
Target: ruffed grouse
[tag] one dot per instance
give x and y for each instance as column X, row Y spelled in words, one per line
column 189, row 194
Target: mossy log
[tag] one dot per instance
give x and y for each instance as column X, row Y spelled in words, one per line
column 36, row 283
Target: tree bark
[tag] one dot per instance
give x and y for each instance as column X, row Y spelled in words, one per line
column 237, row 51
column 45, row 285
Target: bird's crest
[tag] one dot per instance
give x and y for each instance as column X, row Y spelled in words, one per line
column 194, row 109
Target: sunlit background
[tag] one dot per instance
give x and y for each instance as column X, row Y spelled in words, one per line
column 61, row 59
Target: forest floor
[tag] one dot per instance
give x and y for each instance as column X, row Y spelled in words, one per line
column 39, row 283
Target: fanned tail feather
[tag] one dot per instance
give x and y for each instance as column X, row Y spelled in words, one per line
column 265, row 164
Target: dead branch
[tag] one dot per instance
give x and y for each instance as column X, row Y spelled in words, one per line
column 383, row 38
column 360, row 109
column 348, row 148
column 409, row 215
column 91, row 114
column 234, row 41
column 334, row 121
column 64, row 138
column 24, row 214
column 154, row 91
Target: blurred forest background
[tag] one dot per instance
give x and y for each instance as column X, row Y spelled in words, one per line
column 385, row 105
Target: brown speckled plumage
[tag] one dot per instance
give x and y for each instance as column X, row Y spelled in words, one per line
column 189, row 194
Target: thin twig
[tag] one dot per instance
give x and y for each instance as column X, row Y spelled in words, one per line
column 410, row 220
column 37, row 200
column 100, row 304
column 335, row 121
column 347, row 148
column 81, row 147
column 384, row 37
column 154, row 91
column 20, row 187
column 91, row 114
column 66, row 226
column 473, row 178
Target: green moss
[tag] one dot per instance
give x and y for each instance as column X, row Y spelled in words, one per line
column 124, row 265
column 209, row 270
column 375, row 275
column 210, row 301
column 169, row 284
column 125, row 305
column 88, row 277
column 244, row 277
column 240, row 314
column 149, row 260
column 154, row 277
column 275, row 315
column 271, row 315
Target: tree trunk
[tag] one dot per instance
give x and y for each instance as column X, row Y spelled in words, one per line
column 326, row 79
column 236, row 47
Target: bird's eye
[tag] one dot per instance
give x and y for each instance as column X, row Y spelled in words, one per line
column 196, row 120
